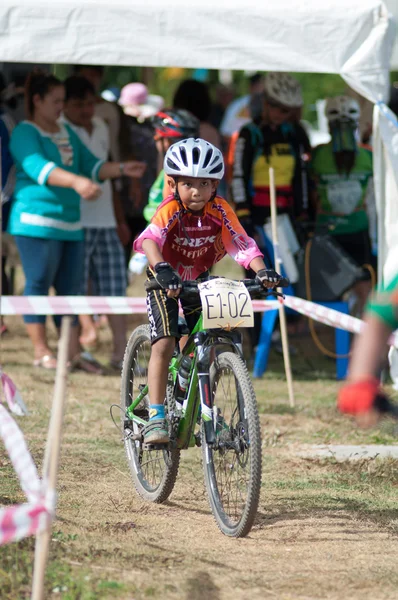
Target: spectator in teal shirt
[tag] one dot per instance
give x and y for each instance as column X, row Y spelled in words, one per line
column 54, row 169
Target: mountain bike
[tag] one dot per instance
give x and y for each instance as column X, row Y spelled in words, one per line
column 218, row 411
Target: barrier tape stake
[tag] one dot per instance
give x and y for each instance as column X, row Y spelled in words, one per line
column 51, row 457
column 282, row 314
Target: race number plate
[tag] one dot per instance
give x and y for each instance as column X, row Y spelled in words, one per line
column 226, row 304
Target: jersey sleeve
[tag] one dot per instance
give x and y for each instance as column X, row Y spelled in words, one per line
column 240, row 246
column 163, row 220
column 26, row 150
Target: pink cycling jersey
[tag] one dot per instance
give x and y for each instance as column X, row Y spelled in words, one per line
column 193, row 244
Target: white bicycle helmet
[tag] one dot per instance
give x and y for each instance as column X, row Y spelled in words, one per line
column 342, row 108
column 194, row 158
column 284, row 89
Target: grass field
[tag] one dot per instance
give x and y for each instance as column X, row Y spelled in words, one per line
column 325, row 530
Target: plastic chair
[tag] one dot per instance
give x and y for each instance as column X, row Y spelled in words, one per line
column 342, row 337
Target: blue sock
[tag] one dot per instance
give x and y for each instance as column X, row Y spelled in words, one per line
column 156, row 411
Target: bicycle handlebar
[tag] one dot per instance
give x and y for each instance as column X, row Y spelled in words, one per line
column 255, row 289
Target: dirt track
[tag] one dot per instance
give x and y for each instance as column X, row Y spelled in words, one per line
column 323, row 530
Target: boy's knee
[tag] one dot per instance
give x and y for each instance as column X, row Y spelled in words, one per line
column 164, row 347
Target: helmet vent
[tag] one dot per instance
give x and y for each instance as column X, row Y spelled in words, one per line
column 172, row 165
column 208, row 156
column 215, row 159
column 195, row 156
column 183, row 154
column 216, row 169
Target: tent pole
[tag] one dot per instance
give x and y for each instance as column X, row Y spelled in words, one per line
column 51, row 457
column 282, row 315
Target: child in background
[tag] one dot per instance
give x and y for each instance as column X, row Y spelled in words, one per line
column 169, row 127
column 191, row 231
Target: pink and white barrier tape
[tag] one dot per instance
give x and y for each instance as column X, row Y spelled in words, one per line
column 87, row 305
column 325, row 315
column 91, row 305
column 71, row 305
column 12, row 396
column 19, row 521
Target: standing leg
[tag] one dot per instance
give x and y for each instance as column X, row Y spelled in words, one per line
column 40, row 259
column 67, row 282
column 110, row 279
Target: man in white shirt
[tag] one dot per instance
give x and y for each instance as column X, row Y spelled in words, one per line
column 102, row 221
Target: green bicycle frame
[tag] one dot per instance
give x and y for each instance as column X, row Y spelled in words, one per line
column 185, row 437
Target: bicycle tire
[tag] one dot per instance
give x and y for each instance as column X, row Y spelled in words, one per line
column 153, row 472
column 220, row 463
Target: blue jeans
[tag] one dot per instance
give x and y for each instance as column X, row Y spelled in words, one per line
column 50, row 263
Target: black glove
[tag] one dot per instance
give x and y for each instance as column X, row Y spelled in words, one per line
column 266, row 276
column 167, row 277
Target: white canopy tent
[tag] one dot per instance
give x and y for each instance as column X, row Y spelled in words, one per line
column 392, row 7
column 352, row 38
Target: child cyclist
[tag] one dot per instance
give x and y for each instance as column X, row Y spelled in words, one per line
column 362, row 395
column 191, row 230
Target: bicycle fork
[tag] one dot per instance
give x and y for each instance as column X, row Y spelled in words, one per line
column 206, row 398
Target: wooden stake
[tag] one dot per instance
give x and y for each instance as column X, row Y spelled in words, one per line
column 51, row 457
column 282, row 315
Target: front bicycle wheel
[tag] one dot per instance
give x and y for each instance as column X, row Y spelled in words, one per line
column 232, row 466
column 154, row 471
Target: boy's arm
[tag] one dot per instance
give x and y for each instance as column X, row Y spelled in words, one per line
column 369, row 349
column 360, row 396
column 152, row 252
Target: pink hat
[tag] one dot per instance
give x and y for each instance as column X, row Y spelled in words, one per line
column 133, row 94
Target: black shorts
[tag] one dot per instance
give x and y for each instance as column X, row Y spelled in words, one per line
column 163, row 313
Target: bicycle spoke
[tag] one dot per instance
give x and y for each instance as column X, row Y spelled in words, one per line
column 153, row 470
column 232, row 474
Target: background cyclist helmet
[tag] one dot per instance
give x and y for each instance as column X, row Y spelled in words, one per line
column 283, row 89
column 194, row 157
column 342, row 113
column 176, row 123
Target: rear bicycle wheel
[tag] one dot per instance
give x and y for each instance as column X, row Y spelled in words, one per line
column 232, row 467
column 154, row 471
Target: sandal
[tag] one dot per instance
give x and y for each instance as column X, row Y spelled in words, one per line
column 48, row 361
column 90, row 345
column 86, row 362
